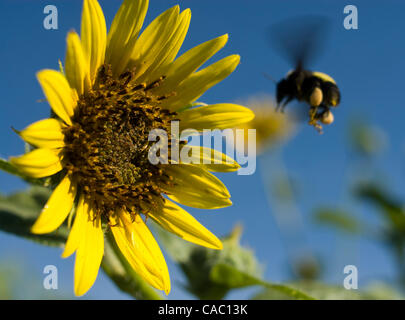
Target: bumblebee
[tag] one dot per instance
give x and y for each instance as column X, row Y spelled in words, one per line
column 318, row 90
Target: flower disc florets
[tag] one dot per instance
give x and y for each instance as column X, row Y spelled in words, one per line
column 106, row 148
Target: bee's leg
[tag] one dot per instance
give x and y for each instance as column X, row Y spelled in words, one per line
column 318, row 128
column 313, row 111
column 282, row 106
column 322, row 109
column 314, row 116
column 325, row 116
column 314, row 98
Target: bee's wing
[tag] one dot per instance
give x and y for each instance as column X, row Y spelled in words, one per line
column 300, row 39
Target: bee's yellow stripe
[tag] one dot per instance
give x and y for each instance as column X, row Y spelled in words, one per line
column 323, row 76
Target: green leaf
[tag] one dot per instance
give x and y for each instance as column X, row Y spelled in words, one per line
column 196, row 262
column 324, row 291
column 233, row 278
column 211, row 274
column 19, row 211
column 338, row 219
column 391, row 208
column 374, row 193
column 315, row 289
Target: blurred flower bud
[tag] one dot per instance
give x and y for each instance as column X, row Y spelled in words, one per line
column 201, row 261
column 307, row 268
column 366, row 139
column 271, row 127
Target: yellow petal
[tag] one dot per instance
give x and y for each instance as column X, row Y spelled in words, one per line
column 93, row 35
column 57, row 207
column 77, row 232
column 76, row 65
column 189, row 62
column 195, row 187
column 152, row 40
column 210, row 159
column 169, row 51
column 58, row 93
column 139, row 247
column 44, row 134
column 178, row 221
column 89, row 252
column 199, row 82
column 216, row 116
column 38, row 163
column 123, row 33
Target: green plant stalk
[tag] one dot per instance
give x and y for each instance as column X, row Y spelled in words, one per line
column 118, row 269
column 285, row 211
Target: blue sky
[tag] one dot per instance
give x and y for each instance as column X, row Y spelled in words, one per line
column 368, row 65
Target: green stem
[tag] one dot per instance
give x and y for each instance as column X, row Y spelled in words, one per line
column 118, row 269
column 283, row 206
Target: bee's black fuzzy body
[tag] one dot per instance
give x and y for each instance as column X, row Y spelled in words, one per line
column 303, row 84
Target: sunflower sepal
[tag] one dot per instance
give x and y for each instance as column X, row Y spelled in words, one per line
column 8, row 167
column 61, row 68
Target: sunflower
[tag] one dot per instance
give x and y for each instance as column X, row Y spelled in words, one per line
column 115, row 88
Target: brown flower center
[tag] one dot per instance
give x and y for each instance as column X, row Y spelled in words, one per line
column 107, row 146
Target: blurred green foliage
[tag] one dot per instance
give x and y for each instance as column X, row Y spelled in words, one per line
column 366, row 188
column 322, row 291
column 20, row 282
column 197, row 263
column 212, row 274
column 19, row 211
column 338, row 219
column 365, row 139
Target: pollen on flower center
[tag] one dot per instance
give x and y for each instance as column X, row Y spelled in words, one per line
column 107, row 146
